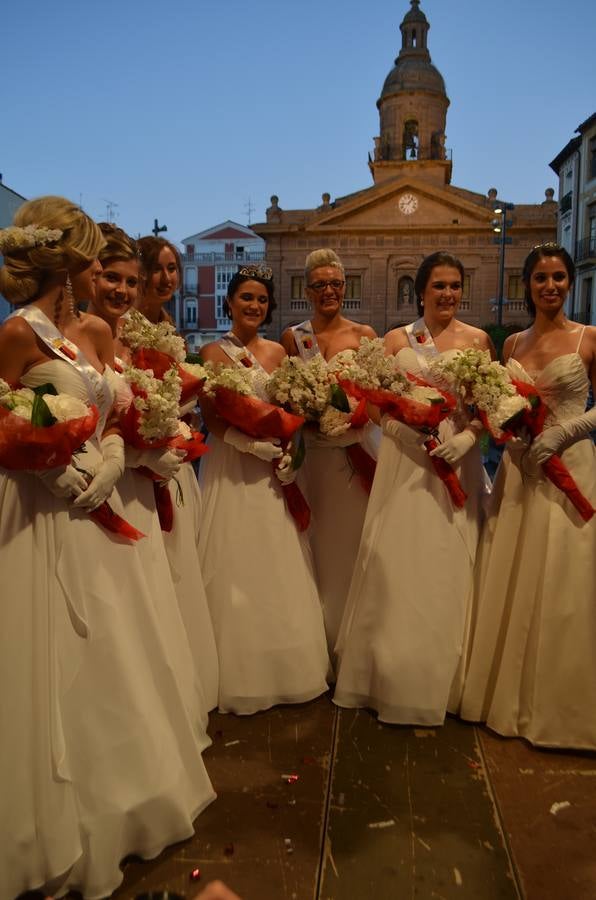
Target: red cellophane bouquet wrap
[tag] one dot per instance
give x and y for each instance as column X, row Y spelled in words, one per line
column 150, row 422
column 310, row 388
column 554, row 468
column 507, row 407
column 32, row 437
column 234, row 400
column 158, row 347
column 368, row 374
column 42, row 429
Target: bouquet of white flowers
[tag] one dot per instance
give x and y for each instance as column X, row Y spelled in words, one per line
column 485, row 384
column 40, row 428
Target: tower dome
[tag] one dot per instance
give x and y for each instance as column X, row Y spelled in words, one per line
column 413, row 102
column 413, row 69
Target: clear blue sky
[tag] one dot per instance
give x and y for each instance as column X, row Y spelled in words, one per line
column 185, row 111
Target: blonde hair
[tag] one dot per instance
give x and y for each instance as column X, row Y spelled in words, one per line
column 322, row 257
column 26, row 268
column 119, row 245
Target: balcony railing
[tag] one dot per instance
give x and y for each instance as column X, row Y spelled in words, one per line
column 585, row 249
column 206, row 259
column 299, row 306
column 566, row 202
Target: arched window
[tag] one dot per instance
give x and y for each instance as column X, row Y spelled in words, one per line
column 405, row 291
column 410, row 139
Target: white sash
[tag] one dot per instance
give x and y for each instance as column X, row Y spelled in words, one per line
column 95, row 383
column 306, row 340
column 421, row 340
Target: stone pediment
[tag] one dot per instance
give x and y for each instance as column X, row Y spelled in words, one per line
column 378, row 208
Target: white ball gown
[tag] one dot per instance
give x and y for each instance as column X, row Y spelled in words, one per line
column 532, row 667
column 182, row 549
column 260, row 586
column 100, row 750
column 401, row 638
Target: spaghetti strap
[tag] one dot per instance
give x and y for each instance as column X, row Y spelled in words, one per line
column 580, row 339
column 517, row 334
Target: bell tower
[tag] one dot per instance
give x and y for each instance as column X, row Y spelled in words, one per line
column 412, row 110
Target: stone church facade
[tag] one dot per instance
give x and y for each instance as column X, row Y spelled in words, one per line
column 383, row 232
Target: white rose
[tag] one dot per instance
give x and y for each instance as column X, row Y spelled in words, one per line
column 64, row 408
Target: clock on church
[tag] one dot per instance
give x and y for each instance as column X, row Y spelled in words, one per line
column 408, row 204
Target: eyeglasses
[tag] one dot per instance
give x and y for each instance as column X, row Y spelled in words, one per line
column 319, row 286
column 263, row 272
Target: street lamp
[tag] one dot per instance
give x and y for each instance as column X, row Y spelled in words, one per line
column 500, row 227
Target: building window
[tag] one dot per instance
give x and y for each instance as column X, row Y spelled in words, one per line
column 405, row 291
column 190, row 279
column 585, row 315
column 466, row 287
column 592, row 158
column 353, row 287
column 297, row 287
column 223, row 276
column 516, row 289
column 190, row 251
column 190, row 313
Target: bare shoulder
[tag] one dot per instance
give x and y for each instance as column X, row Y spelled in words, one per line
column 395, row 340
column 95, row 327
column 17, row 330
column 18, row 349
column 213, row 353
column 288, row 342
column 510, row 343
column 365, row 331
column 275, row 351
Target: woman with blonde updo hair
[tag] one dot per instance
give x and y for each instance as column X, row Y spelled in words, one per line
column 87, row 776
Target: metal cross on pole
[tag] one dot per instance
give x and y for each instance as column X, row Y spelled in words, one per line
column 157, row 228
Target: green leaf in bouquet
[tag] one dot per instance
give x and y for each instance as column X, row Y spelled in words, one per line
column 40, row 412
column 339, row 399
column 195, row 358
column 298, row 449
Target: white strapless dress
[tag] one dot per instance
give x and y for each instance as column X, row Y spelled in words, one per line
column 100, row 749
column 532, row 665
column 260, row 586
column 401, row 639
column 338, row 504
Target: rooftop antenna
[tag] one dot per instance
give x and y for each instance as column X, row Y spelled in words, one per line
column 110, row 214
column 157, row 227
column 249, row 209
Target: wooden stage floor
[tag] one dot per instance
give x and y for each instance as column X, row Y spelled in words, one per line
column 383, row 812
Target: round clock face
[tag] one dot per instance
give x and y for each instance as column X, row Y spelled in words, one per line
column 408, row 204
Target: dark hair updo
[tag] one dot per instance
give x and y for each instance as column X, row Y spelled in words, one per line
column 440, row 258
column 246, row 275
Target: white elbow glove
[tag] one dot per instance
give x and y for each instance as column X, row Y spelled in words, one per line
column 165, row 461
column 456, row 447
column 188, row 406
column 64, row 481
column 285, row 473
column 558, row 437
column 345, row 439
column 265, row 450
column 107, row 474
column 403, row 434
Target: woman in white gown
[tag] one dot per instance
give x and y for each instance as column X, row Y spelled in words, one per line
column 163, row 273
column 335, row 494
column 258, row 575
column 401, row 637
column 99, row 756
column 532, row 667
column 116, row 289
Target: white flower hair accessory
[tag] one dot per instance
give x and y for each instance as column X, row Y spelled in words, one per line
column 16, row 237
